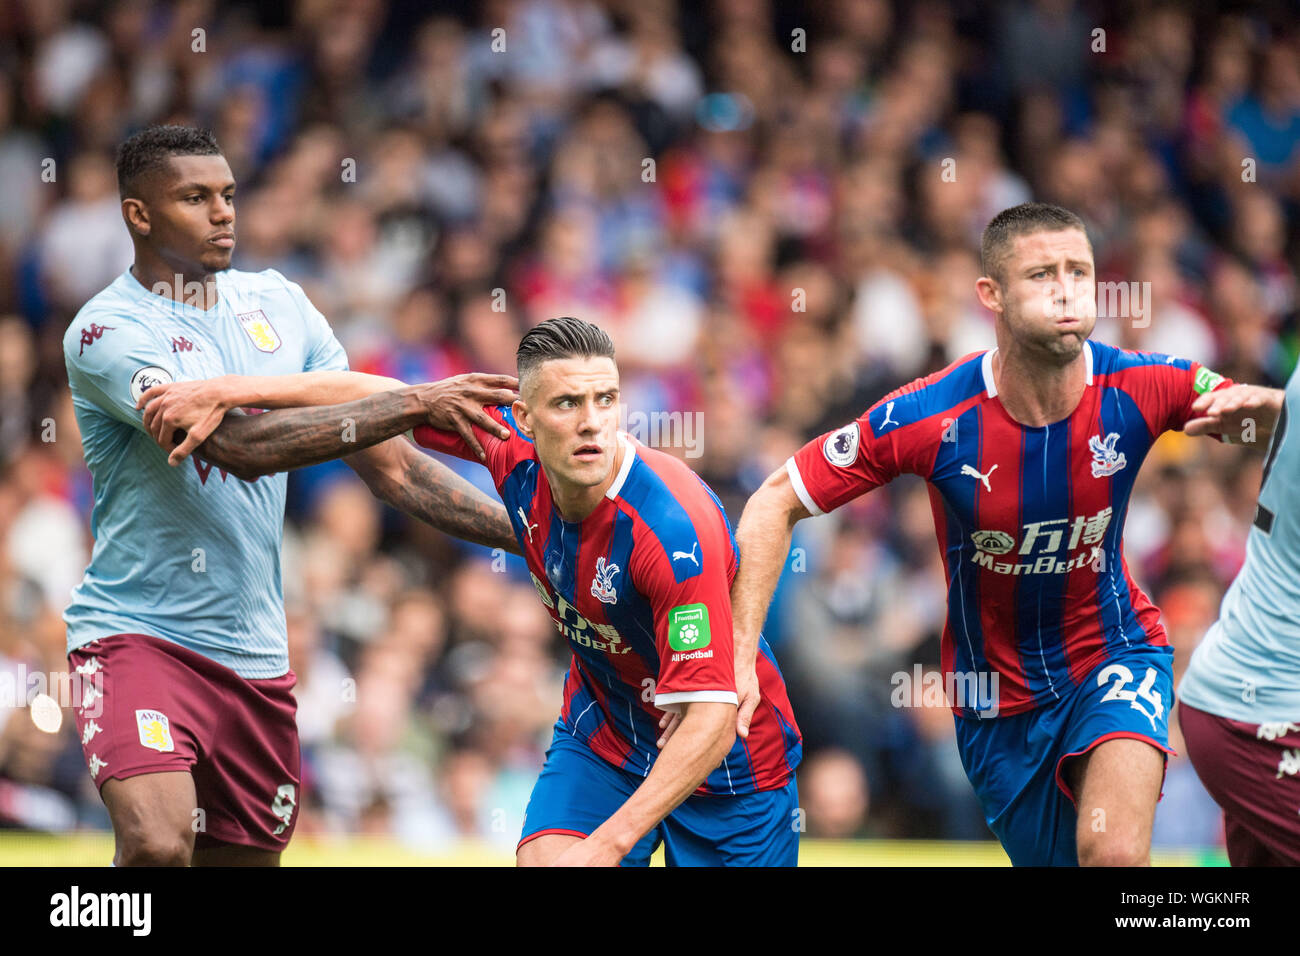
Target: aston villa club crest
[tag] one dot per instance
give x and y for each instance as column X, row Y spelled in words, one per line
column 260, row 330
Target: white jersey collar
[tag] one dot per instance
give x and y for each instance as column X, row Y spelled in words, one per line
column 629, row 457
column 986, row 368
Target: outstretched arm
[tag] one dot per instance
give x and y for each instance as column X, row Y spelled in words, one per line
column 1227, row 412
column 250, row 446
column 198, row 407
column 254, row 445
column 411, row 481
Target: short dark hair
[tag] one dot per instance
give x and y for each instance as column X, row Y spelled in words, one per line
column 561, row 338
column 1021, row 220
column 150, row 148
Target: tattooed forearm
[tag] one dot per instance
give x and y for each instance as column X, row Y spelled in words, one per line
column 250, row 446
column 426, row 489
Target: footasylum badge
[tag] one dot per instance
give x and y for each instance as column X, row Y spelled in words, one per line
column 132, row 910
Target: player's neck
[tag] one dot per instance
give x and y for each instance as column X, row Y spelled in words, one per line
column 1037, row 393
column 159, row 277
column 576, row 502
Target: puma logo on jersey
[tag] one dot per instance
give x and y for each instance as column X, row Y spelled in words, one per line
column 970, row 470
column 889, row 410
column 688, row 554
column 527, row 527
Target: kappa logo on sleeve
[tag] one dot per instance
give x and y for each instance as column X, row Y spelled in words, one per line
column 688, row 630
column 155, row 730
column 92, row 334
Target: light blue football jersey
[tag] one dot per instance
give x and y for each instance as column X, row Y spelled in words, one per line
column 190, row 554
column 1248, row 665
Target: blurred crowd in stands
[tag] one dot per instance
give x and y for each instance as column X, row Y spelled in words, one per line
column 773, row 208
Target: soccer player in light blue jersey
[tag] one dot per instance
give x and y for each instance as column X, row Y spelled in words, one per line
column 178, row 627
column 1239, row 701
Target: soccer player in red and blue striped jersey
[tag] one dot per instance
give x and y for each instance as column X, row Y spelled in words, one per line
column 1056, row 663
column 632, row 555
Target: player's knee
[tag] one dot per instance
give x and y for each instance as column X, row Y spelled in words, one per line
column 528, row 855
column 140, row 847
column 1114, row 852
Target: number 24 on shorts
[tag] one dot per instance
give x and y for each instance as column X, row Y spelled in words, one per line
column 1120, row 677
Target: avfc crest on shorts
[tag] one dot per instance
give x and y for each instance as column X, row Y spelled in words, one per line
column 155, row 730
column 260, row 330
column 1105, row 459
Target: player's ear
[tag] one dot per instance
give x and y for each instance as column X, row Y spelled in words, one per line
column 136, row 216
column 989, row 293
column 522, row 419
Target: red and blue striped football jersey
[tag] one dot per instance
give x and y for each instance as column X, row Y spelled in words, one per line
column 641, row 588
column 1029, row 520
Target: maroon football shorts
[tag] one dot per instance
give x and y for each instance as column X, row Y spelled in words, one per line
column 157, row 707
column 1253, row 772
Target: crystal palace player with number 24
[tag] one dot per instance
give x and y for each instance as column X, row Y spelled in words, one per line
column 1030, row 451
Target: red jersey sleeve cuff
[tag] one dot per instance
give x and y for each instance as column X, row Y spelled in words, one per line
column 673, row 702
column 800, row 489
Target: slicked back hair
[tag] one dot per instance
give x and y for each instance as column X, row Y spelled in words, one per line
column 561, row 338
column 148, row 151
column 1029, row 217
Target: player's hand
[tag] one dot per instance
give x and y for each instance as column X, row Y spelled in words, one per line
column 667, row 724
column 1226, row 412
column 457, row 404
column 747, row 695
column 589, row 852
column 196, row 408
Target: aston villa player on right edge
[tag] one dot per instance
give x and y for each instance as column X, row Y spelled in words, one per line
column 1030, row 451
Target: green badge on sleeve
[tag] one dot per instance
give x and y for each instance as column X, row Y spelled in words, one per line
column 1206, row 381
column 688, row 627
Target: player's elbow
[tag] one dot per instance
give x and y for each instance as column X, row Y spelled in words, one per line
column 246, row 472
column 375, row 475
column 775, row 500
column 245, row 465
column 718, row 726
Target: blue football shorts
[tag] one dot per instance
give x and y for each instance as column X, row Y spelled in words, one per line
column 1016, row 763
column 578, row 791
